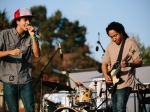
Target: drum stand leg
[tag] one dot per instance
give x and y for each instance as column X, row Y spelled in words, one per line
column 45, row 106
column 70, row 100
column 104, row 101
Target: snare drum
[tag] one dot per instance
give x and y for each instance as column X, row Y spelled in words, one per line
column 82, row 96
column 67, row 109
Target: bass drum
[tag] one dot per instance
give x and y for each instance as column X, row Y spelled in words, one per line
column 67, row 109
column 61, row 98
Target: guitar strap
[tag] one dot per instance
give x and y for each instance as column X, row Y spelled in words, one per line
column 121, row 51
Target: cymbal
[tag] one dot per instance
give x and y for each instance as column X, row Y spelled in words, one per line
column 56, row 85
column 100, row 76
column 93, row 81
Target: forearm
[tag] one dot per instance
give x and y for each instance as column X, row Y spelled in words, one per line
column 4, row 53
column 104, row 69
column 14, row 52
column 105, row 73
column 36, row 49
column 137, row 63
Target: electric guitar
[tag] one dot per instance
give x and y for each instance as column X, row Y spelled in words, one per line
column 114, row 73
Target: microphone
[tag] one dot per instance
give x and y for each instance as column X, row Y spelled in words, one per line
column 35, row 32
column 97, row 48
column 61, row 55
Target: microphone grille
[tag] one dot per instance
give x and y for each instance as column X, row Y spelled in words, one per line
column 97, row 48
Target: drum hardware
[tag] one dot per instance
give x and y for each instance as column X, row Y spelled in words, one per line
column 93, row 100
column 70, row 97
column 102, row 103
column 48, row 106
column 98, row 101
column 45, row 106
column 83, row 105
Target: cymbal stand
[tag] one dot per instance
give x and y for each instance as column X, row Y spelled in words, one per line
column 95, row 84
column 40, row 76
column 106, row 98
column 95, row 99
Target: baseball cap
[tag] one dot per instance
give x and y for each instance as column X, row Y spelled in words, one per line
column 23, row 12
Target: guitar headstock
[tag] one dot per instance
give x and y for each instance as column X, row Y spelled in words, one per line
column 132, row 51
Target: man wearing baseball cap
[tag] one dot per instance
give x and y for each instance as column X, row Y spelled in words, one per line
column 16, row 47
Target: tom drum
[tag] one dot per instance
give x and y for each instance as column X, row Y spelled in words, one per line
column 82, row 96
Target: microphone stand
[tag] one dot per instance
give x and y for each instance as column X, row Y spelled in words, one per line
column 101, row 46
column 40, row 77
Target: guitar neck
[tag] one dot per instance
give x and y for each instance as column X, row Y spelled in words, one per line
column 125, row 59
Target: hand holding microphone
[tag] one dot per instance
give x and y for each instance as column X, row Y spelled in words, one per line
column 32, row 31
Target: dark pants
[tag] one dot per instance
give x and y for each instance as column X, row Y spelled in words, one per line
column 120, row 99
column 13, row 92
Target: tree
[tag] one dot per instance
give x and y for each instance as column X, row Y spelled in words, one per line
column 70, row 34
column 145, row 52
column 4, row 23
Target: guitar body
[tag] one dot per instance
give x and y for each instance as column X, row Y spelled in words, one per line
column 114, row 73
column 113, row 77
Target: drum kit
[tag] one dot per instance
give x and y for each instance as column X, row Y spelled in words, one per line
column 70, row 100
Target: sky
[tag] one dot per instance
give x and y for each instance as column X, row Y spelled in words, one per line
column 95, row 15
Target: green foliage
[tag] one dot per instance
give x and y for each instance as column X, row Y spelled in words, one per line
column 146, row 55
column 145, row 52
column 70, row 34
column 59, row 28
column 4, row 23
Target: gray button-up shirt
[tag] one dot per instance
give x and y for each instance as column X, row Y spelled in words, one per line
column 15, row 69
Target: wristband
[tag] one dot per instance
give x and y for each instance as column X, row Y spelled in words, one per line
column 33, row 38
column 129, row 64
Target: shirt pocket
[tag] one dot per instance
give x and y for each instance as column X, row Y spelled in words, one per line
column 10, row 46
column 26, row 47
